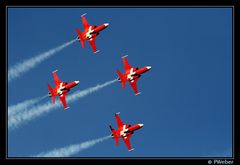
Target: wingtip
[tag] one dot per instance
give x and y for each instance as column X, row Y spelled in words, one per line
column 83, row 14
column 96, row 51
column 125, row 56
column 138, row 93
column 131, row 149
column 66, row 108
column 55, row 71
column 117, row 113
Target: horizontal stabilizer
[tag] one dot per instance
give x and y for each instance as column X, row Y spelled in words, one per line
column 51, row 93
column 80, row 37
column 121, row 78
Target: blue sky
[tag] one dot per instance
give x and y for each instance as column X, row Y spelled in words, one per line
column 186, row 99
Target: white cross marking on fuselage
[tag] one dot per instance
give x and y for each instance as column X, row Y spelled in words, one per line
column 59, row 91
column 123, row 132
column 88, row 35
column 130, row 75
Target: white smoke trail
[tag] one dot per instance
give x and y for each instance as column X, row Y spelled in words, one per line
column 16, row 120
column 72, row 149
column 22, row 67
column 14, row 109
column 80, row 94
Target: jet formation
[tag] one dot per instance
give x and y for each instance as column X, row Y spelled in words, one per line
column 131, row 74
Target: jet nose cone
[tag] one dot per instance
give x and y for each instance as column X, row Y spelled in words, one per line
column 140, row 125
column 77, row 82
column 106, row 24
column 148, row 67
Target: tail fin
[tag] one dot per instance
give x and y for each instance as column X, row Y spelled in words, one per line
column 80, row 37
column 51, row 92
column 121, row 78
column 114, row 135
column 111, row 128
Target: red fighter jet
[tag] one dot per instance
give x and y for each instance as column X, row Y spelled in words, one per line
column 131, row 74
column 124, row 131
column 61, row 89
column 90, row 33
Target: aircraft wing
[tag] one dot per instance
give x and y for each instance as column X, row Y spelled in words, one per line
column 93, row 44
column 119, row 121
column 63, row 100
column 126, row 64
column 56, row 79
column 133, row 84
column 126, row 140
column 85, row 23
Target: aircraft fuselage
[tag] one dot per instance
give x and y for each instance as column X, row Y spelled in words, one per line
column 125, row 130
column 134, row 73
column 93, row 31
column 63, row 88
